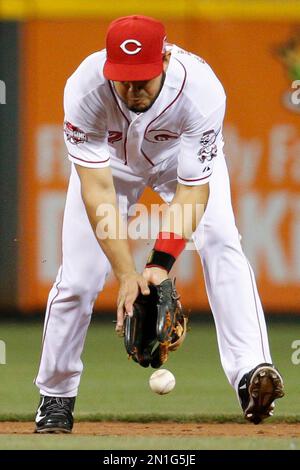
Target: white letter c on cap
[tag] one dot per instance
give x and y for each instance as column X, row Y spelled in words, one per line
column 131, row 41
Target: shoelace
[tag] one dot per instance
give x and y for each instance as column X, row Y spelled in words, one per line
column 58, row 406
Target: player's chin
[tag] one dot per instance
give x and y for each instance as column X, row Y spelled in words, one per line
column 139, row 107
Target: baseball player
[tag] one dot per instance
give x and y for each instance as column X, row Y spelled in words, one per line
column 145, row 113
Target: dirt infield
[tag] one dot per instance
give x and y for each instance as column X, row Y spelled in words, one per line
column 167, row 429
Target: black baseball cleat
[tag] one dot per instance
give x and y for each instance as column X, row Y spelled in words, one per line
column 55, row 415
column 257, row 391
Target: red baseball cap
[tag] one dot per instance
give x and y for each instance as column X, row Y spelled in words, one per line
column 134, row 48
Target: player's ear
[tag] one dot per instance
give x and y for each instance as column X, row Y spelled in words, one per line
column 166, row 60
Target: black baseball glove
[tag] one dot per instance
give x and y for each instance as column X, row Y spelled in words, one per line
column 158, row 325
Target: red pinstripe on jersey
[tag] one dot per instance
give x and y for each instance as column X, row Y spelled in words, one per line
column 87, row 161
column 126, row 119
column 194, row 179
column 172, row 102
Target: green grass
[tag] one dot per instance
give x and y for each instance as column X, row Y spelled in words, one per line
column 50, row 442
column 114, row 388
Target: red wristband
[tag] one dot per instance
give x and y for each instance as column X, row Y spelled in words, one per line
column 170, row 243
column 167, row 248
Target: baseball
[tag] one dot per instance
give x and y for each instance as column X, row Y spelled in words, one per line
column 162, row 381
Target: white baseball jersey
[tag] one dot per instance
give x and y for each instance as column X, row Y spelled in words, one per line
column 180, row 136
column 186, row 119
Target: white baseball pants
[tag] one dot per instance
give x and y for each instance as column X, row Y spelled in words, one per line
column 230, row 284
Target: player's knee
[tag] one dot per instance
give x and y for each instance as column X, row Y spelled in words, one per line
column 87, row 283
column 80, row 288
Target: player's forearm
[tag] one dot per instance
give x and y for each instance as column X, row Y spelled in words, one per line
column 99, row 196
column 186, row 210
column 118, row 253
column 181, row 218
column 110, row 230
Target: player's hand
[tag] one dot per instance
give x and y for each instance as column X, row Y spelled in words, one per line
column 130, row 286
column 155, row 275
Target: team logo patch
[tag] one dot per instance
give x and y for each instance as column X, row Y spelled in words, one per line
column 74, row 135
column 208, row 149
column 131, row 46
column 114, row 136
column 161, row 135
column 207, row 153
column 208, row 138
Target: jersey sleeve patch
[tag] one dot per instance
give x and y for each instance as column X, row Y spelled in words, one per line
column 208, row 149
column 74, row 135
